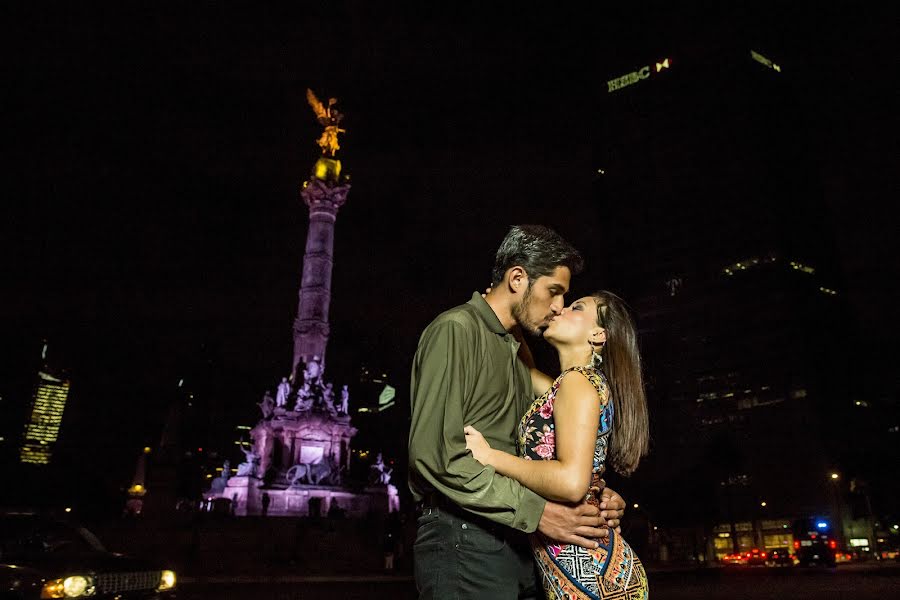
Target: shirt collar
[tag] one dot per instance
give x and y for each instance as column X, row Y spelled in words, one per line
column 487, row 314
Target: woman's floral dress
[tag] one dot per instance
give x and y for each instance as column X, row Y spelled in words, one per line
column 611, row 571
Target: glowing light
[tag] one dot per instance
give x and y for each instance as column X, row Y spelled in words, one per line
column 48, row 404
column 629, row 79
column 762, row 503
column 798, row 266
column 835, row 476
column 636, row 505
column 663, row 65
column 821, row 524
column 68, row 509
column 76, row 586
column 764, row 61
column 147, row 450
column 167, row 580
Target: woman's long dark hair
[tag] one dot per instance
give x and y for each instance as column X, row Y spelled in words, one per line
column 630, row 437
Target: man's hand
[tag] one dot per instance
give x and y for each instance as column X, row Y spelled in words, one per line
column 612, row 508
column 580, row 525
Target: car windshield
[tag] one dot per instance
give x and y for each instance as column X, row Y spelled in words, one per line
column 27, row 535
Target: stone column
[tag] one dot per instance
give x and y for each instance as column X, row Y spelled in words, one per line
column 311, row 325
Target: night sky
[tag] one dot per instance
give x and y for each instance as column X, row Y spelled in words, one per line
column 152, row 219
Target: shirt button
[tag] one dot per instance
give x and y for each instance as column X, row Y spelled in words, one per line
column 464, row 526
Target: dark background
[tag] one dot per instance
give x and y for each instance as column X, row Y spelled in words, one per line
column 152, row 225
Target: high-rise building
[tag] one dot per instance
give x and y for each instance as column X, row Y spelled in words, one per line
column 716, row 233
column 45, row 417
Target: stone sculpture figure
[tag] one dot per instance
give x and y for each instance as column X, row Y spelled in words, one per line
column 267, row 406
column 296, row 474
column 345, row 400
column 329, row 117
column 312, row 373
column 379, row 473
column 250, row 464
column 284, row 390
column 304, row 397
column 218, row 484
column 328, row 399
column 318, row 472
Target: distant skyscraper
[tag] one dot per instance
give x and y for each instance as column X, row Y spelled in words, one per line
column 45, row 419
column 717, row 236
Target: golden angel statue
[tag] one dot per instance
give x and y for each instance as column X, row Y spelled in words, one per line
column 329, row 118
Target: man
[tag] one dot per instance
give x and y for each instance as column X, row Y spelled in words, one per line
column 470, row 541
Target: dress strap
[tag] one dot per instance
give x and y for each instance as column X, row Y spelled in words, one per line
column 596, row 377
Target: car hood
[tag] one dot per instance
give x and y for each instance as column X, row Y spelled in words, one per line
column 60, row 565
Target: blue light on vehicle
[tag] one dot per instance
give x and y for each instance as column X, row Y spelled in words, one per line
column 821, row 524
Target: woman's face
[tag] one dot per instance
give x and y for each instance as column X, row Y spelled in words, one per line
column 577, row 323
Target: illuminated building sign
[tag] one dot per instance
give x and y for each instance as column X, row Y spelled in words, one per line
column 386, row 398
column 43, row 425
column 635, row 76
column 764, row 61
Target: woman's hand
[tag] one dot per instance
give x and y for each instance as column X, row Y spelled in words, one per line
column 476, row 443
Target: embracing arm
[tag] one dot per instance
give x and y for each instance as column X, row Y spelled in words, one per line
column 576, row 413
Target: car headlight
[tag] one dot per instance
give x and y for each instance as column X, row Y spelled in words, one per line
column 166, row 581
column 75, row 586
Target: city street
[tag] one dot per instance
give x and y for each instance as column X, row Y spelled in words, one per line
column 859, row 582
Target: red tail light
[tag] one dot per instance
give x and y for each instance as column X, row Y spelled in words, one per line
column 763, row 554
column 832, row 544
column 796, row 545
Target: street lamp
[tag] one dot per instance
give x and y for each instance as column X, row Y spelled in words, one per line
column 763, row 504
column 838, row 509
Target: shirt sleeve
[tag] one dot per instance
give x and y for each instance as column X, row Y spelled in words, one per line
column 437, row 447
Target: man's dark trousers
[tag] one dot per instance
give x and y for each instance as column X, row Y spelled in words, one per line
column 459, row 555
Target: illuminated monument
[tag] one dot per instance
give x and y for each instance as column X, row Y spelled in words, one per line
column 300, row 448
column 45, row 417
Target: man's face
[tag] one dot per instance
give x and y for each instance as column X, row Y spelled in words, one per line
column 542, row 300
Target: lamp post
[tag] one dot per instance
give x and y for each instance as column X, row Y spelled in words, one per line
column 834, row 477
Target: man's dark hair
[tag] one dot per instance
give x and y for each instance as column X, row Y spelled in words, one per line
column 537, row 249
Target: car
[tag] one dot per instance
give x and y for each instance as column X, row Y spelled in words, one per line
column 755, row 557
column 780, row 557
column 815, row 543
column 734, row 559
column 42, row 556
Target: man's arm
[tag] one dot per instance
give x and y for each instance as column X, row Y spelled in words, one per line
column 437, row 445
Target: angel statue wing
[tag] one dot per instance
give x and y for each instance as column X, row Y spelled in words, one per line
column 317, row 106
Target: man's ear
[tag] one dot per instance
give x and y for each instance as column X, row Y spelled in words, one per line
column 516, row 280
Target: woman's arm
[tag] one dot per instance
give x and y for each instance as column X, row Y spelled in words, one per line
column 576, row 414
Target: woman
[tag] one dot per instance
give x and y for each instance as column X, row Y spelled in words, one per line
column 569, row 433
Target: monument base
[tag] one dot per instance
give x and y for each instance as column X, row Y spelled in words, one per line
column 248, row 499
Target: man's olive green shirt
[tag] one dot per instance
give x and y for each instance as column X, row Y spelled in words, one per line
column 466, row 372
